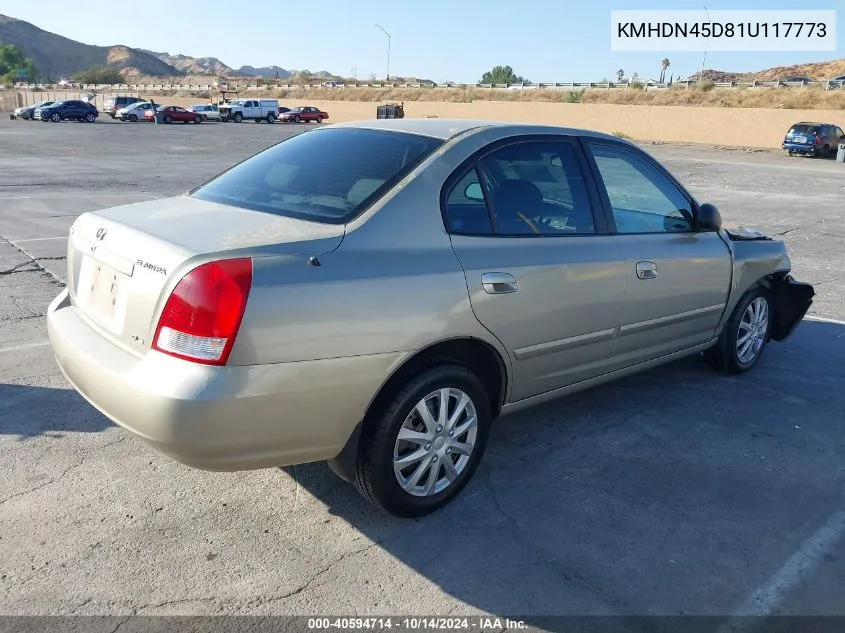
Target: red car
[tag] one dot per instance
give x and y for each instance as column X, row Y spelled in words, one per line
column 303, row 113
column 175, row 113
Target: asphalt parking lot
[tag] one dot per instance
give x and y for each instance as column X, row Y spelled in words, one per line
column 679, row 491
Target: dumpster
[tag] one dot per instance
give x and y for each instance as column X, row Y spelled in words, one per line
column 391, row 111
column 840, row 155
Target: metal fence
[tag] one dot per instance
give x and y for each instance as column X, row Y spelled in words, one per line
column 266, row 86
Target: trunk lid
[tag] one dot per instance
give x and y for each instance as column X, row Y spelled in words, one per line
column 120, row 260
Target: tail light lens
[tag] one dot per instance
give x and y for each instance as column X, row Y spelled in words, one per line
column 203, row 314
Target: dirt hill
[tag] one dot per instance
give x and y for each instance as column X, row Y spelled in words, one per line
column 59, row 56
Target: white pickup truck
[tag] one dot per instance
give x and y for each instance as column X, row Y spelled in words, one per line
column 256, row 109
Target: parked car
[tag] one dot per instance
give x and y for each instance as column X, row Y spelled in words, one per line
column 304, row 114
column 112, row 105
column 256, row 109
column 813, row 139
column 173, row 113
column 208, row 111
column 134, row 112
column 26, row 112
column 273, row 315
column 69, row 110
column 802, row 80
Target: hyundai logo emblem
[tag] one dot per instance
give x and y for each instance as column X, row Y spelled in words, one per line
column 101, row 233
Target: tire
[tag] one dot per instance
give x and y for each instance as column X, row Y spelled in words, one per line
column 90, row 118
column 168, row 119
column 725, row 354
column 55, row 117
column 133, row 118
column 380, row 445
column 198, row 119
column 297, row 119
column 238, row 117
column 319, row 119
column 271, row 118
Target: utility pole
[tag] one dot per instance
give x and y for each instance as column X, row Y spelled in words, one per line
column 388, row 49
column 701, row 75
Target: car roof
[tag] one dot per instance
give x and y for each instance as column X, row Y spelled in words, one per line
column 448, row 128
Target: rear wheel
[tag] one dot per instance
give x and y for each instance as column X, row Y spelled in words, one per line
column 319, row 119
column 90, row 117
column 745, row 335
column 421, row 445
column 198, row 119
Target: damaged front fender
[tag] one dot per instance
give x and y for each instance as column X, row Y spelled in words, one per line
column 760, row 260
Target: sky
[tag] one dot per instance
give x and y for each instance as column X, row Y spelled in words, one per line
column 441, row 40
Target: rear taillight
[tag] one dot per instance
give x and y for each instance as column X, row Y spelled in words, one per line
column 818, row 139
column 203, row 314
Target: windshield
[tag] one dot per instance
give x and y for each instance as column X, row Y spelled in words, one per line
column 328, row 175
column 238, row 102
column 804, row 129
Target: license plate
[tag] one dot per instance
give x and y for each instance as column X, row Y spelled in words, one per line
column 800, row 139
column 99, row 292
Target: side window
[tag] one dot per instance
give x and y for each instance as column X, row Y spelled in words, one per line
column 642, row 198
column 466, row 211
column 537, row 188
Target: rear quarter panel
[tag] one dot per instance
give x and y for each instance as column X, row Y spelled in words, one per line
column 393, row 285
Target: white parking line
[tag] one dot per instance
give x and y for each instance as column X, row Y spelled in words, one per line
column 824, row 320
column 35, row 239
column 17, row 348
column 795, row 571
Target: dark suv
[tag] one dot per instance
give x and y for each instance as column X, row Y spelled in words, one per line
column 111, row 106
column 813, row 139
column 70, row 110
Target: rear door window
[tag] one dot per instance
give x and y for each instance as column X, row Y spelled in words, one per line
column 327, row 175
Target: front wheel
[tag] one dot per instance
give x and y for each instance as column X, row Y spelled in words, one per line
column 745, row 335
column 421, row 446
column 238, row 117
column 56, row 117
column 168, row 119
column 133, row 118
column 271, row 118
column 297, row 119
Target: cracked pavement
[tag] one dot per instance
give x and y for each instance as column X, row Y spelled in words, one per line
column 678, row 491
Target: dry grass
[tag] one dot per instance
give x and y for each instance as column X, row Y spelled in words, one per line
column 810, row 98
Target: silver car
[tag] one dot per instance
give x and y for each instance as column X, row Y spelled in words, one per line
column 209, row 111
column 374, row 294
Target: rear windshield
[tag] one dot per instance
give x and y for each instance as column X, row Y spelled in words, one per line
column 804, row 129
column 328, row 175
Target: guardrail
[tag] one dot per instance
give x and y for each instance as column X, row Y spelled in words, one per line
column 632, row 85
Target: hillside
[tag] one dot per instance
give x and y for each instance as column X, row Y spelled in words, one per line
column 820, row 71
column 59, row 56
column 194, row 65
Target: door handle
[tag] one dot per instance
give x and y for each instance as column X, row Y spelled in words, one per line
column 646, row 270
column 498, row 283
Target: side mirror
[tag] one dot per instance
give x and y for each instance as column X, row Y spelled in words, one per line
column 473, row 192
column 708, row 218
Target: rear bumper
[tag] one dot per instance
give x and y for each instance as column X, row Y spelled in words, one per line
column 803, row 149
column 218, row 418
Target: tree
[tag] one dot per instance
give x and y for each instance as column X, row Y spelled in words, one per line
column 664, row 64
column 98, row 75
column 620, row 75
column 303, row 77
column 14, row 65
column 502, row 75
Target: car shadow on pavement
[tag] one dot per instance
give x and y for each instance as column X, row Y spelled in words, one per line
column 675, row 491
column 28, row 411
